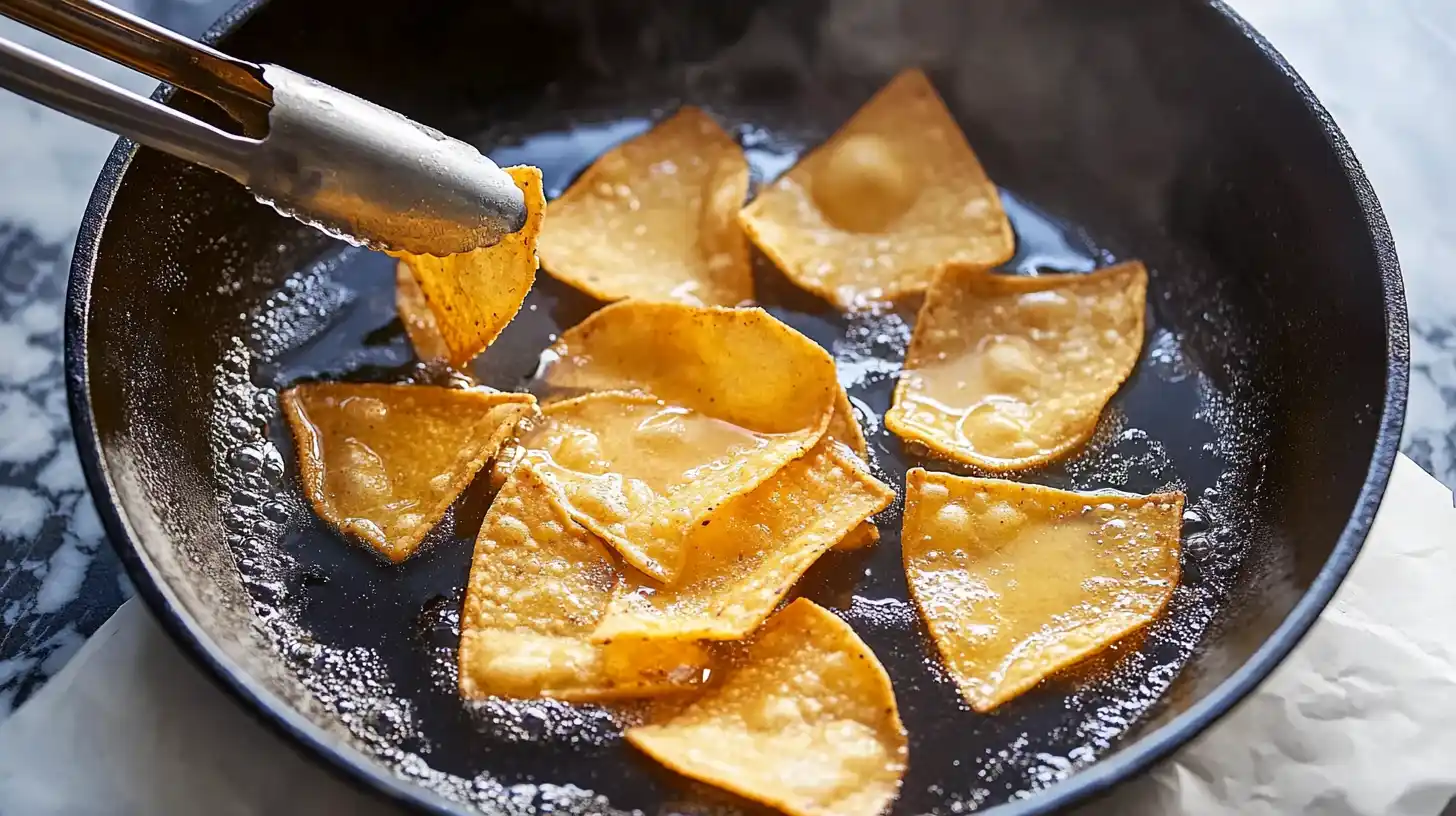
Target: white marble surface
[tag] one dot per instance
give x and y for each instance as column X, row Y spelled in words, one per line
column 1383, row 67
column 58, row 580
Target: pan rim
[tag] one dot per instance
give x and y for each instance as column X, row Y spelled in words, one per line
column 1095, row 780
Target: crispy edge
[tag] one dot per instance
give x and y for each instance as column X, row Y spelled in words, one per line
column 844, row 427
column 414, row 311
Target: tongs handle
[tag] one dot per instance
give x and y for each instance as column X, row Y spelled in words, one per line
column 57, row 85
column 234, row 85
column 326, row 157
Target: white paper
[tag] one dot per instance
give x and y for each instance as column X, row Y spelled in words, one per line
column 1360, row 720
column 130, row 727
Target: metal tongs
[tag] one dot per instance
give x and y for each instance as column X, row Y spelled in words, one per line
column 323, row 156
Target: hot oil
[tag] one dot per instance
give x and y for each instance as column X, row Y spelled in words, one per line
column 376, row 642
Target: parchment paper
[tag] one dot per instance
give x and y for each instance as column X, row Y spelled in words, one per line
column 1360, row 720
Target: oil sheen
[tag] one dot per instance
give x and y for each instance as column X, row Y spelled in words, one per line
column 375, row 644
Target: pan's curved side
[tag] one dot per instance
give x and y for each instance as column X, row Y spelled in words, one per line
column 274, row 710
column 1162, row 742
column 267, row 707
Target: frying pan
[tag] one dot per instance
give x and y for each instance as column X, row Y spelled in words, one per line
column 1271, row 388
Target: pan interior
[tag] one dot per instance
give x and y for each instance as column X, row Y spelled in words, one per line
column 205, row 306
column 350, row 622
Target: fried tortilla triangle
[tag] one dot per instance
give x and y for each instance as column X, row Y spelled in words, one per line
column 384, row 462
column 1018, row 581
column 806, row 722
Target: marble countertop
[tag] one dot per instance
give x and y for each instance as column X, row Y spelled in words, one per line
column 1382, row 67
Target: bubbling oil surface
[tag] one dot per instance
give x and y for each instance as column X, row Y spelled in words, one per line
column 376, row 643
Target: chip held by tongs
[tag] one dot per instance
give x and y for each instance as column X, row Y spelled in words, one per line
column 872, row 213
column 656, row 219
column 1018, row 581
column 473, row 295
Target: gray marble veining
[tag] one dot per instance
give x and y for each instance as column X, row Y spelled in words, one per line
column 1382, row 67
column 58, row 579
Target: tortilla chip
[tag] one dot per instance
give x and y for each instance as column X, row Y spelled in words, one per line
column 384, row 462
column 642, row 473
column 864, row 535
column 414, row 312
column 655, row 219
column 1019, row 581
column 712, row 360
column 738, row 365
column 741, row 366
column 743, row 560
column 538, row 585
column 807, row 723
column 1008, row 372
column 474, row 295
column 871, row 214
column 843, row 427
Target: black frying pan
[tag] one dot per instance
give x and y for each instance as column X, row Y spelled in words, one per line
column 1271, row 388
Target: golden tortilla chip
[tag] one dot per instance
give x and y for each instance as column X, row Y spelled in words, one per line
column 1008, row 372
column 743, row 560
column 474, row 295
column 865, row 535
column 807, row 723
column 872, row 213
column 739, row 365
column 538, row 585
column 713, row 360
column 642, row 473
column 843, row 427
column 1019, row 581
column 414, row 313
column 384, row 462
column 656, row 219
